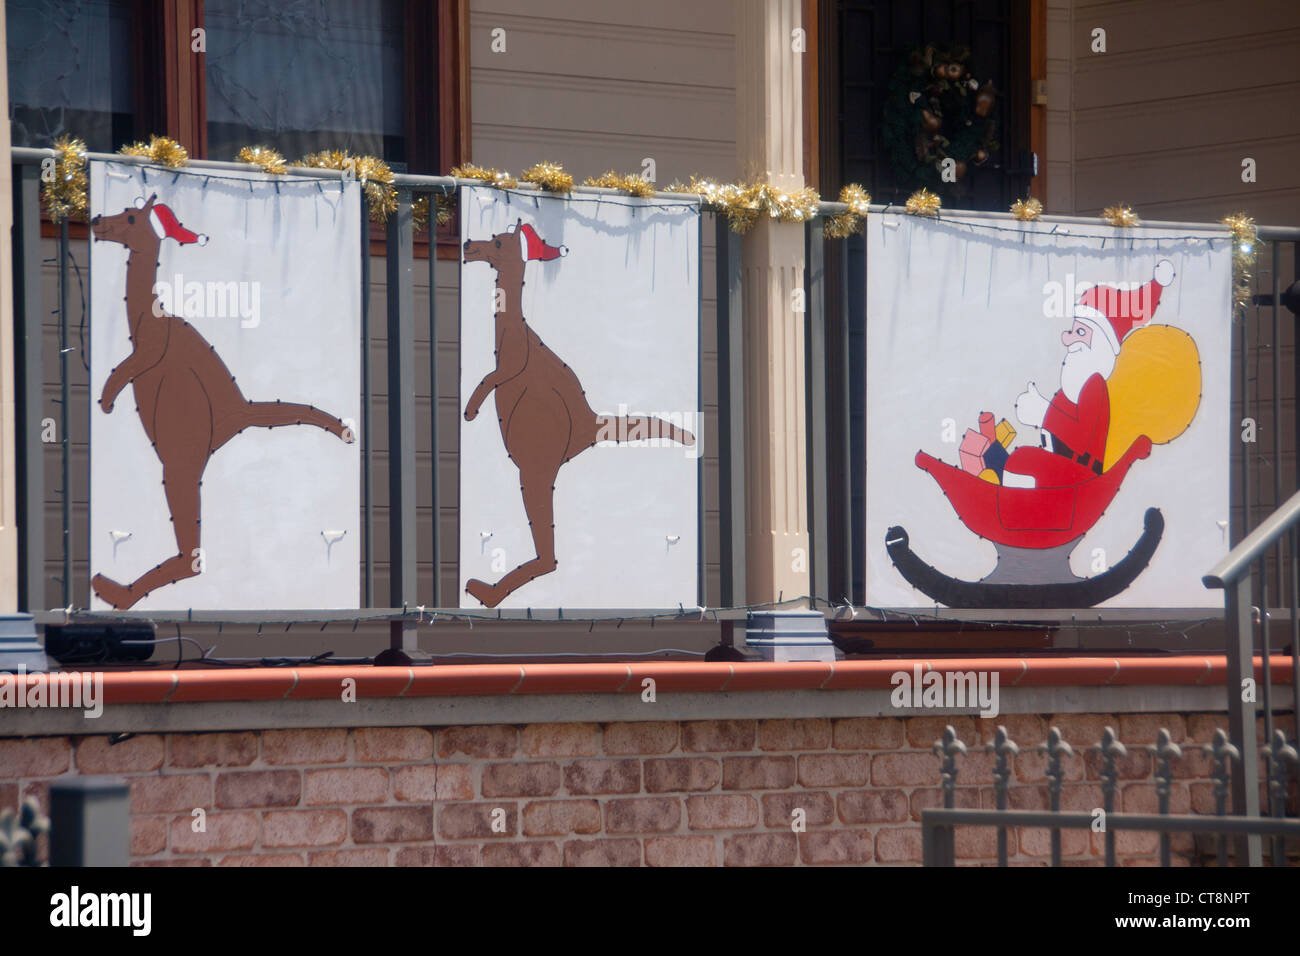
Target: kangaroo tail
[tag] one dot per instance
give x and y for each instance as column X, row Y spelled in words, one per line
column 638, row 427
column 272, row 414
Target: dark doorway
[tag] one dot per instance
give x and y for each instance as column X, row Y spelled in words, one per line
column 861, row 45
column 872, row 38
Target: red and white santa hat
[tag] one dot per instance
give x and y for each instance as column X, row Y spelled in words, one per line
column 1116, row 311
column 535, row 247
column 167, row 226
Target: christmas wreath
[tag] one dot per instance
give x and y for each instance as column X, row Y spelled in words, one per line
column 937, row 110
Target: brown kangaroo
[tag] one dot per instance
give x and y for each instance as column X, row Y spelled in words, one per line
column 188, row 401
column 542, row 410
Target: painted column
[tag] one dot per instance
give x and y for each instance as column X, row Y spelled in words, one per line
column 769, row 147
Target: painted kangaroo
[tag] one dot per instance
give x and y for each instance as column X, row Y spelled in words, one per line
column 541, row 407
column 188, row 401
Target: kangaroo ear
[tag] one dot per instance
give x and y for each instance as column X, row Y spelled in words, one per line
column 152, row 199
column 518, row 222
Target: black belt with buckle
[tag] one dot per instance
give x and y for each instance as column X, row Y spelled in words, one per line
column 1065, row 451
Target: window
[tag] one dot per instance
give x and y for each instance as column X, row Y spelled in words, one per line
column 71, row 71
column 306, row 76
column 387, row 78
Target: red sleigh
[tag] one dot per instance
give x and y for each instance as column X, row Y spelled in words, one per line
column 1034, row 530
column 1030, row 517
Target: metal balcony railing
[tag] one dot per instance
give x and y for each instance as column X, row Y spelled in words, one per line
column 53, row 558
column 1107, row 762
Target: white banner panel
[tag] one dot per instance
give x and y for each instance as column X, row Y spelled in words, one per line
column 1047, row 414
column 580, row 429
column 225, row 362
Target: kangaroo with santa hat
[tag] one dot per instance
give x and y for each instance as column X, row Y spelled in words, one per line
column 542, row 410
column 187, row 399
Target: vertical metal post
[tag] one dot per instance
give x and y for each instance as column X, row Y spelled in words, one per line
column 367, row 399
column 1280, row 754
column 1111, row 750
column 701, row 507
column 1277, row 502
column 436, row 542
column 947, row 749
column 1166, row 752
column 1277, row 406
column 1222, row 753
column 29, row 388
column 731, row 416
column 1004, row 748
column 89, row 822
column 846, row 417
column 1295, row 624
column 1056, row 749
column 815, row 378
column 1295, row 541
column 1247, row 522
column 1241, row 714
column 401, row 420
column 64, row 417
column 938, row 843
column 1266, row 676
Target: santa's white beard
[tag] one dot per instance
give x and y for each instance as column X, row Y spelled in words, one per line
column 1081, row 364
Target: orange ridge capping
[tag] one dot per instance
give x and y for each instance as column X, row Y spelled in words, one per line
column 326, row 682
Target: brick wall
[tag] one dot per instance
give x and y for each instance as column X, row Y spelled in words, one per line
column 667, row 793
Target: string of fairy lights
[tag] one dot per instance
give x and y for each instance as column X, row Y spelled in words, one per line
column 66, row 195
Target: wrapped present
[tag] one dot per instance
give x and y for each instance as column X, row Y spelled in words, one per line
column 1005, row 434
column 972, row 449
column 995, row 457
column 987, row 429
column 991, row 476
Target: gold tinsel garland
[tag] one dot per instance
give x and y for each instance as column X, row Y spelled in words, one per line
column 264, row 157
column 743, row 202
column 1026, row 210
column 923, row 203
column 372, row 172
column 65, row 196
column 798, row 205
column 161, row 150
column 730, row 198
column 1120, row 216
column 420, row 210
column 846, row 224
column 1245, row 250
column 489, row 177
column 632, row 184
column 550, row 176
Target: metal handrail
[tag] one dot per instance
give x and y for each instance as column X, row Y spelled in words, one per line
column 28, row 154
column 1236, row 563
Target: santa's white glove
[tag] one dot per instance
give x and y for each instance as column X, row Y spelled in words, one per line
column 1031, row 406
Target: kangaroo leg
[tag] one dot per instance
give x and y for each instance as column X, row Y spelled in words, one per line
column 539, row 492
column 271, row 415
column 182, row 489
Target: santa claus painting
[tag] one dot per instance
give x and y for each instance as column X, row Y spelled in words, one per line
column 1075, row 422
column 1127, row 382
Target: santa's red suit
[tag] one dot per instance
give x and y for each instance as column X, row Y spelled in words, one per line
column 1073, row 436
column 1074, row 433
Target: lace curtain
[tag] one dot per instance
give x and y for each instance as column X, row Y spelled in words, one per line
column 70, row 71
column 305, row 75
